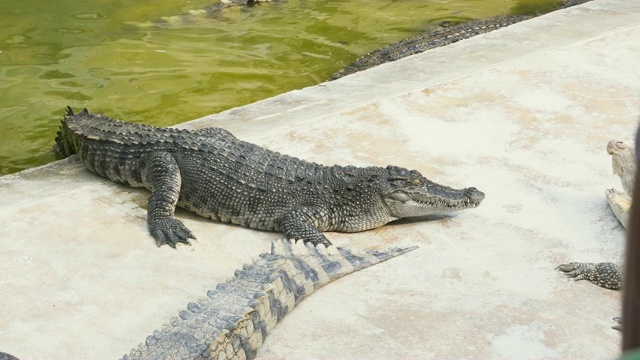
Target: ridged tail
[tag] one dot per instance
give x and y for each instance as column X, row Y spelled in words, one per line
column 234, row 319
column 65, row 141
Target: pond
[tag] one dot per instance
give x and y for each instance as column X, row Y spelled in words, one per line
column 141, row 61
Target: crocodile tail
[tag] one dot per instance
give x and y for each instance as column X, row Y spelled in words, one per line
column 234, row 319
column 64, row 146
column 331, row 263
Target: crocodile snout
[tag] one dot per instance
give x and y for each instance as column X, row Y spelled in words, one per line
column 475, row 195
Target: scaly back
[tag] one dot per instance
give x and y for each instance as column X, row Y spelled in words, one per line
column 79, row 130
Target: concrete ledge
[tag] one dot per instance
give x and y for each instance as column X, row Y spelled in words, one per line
column 523, row 113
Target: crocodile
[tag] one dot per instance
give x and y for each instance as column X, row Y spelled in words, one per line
column 624, row 164
column 232, row 321
column 5, row 356
column 607, row 274
column 213, row 11
column 443, row 34
column 214, row 174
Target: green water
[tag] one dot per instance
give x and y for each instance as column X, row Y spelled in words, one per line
column 112, row 56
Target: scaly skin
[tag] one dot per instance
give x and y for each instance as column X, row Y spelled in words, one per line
column 5, row 356
column 607, row 275
column 215, row 175
column 233, row 320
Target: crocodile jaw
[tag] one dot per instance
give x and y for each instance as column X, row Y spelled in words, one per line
column 437, row 200
column 620, row 204
column 623, row 161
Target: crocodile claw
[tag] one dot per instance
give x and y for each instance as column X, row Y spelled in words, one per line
column 606, row 275
column 618, row 327
column 316, row 240
column 170, row 231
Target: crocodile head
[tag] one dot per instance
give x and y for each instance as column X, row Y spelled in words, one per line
column 623, row 161
column 410, row 194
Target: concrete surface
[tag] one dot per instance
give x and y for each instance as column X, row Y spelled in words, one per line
column 524, row 114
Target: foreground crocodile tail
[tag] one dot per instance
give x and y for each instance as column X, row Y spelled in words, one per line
column 233, row 320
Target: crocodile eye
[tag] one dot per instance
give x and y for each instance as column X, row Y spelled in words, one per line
column 416, row 182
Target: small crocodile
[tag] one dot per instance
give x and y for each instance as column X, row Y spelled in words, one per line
column 234, row 319
column 215, row 175
column 607, row 274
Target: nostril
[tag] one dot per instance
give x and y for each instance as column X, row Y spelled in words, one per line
column 475, row 194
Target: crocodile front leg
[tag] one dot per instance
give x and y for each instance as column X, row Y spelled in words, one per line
column 608, row 275
column 302, row 224
column 164, row 176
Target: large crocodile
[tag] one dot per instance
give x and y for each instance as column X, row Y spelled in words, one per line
column 607, row 274
column 215, row 175
column 624, row 164
column 233, row 320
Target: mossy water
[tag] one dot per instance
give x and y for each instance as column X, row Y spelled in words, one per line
column 118, row 58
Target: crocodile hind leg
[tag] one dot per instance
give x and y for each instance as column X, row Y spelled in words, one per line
column 164, row 176
column 302, row 224
column 608, row 275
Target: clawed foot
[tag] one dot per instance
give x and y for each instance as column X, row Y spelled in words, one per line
column 619, row 326
column 576, row 270
column 169, row 231
column 606, row 275
column 314, row 240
